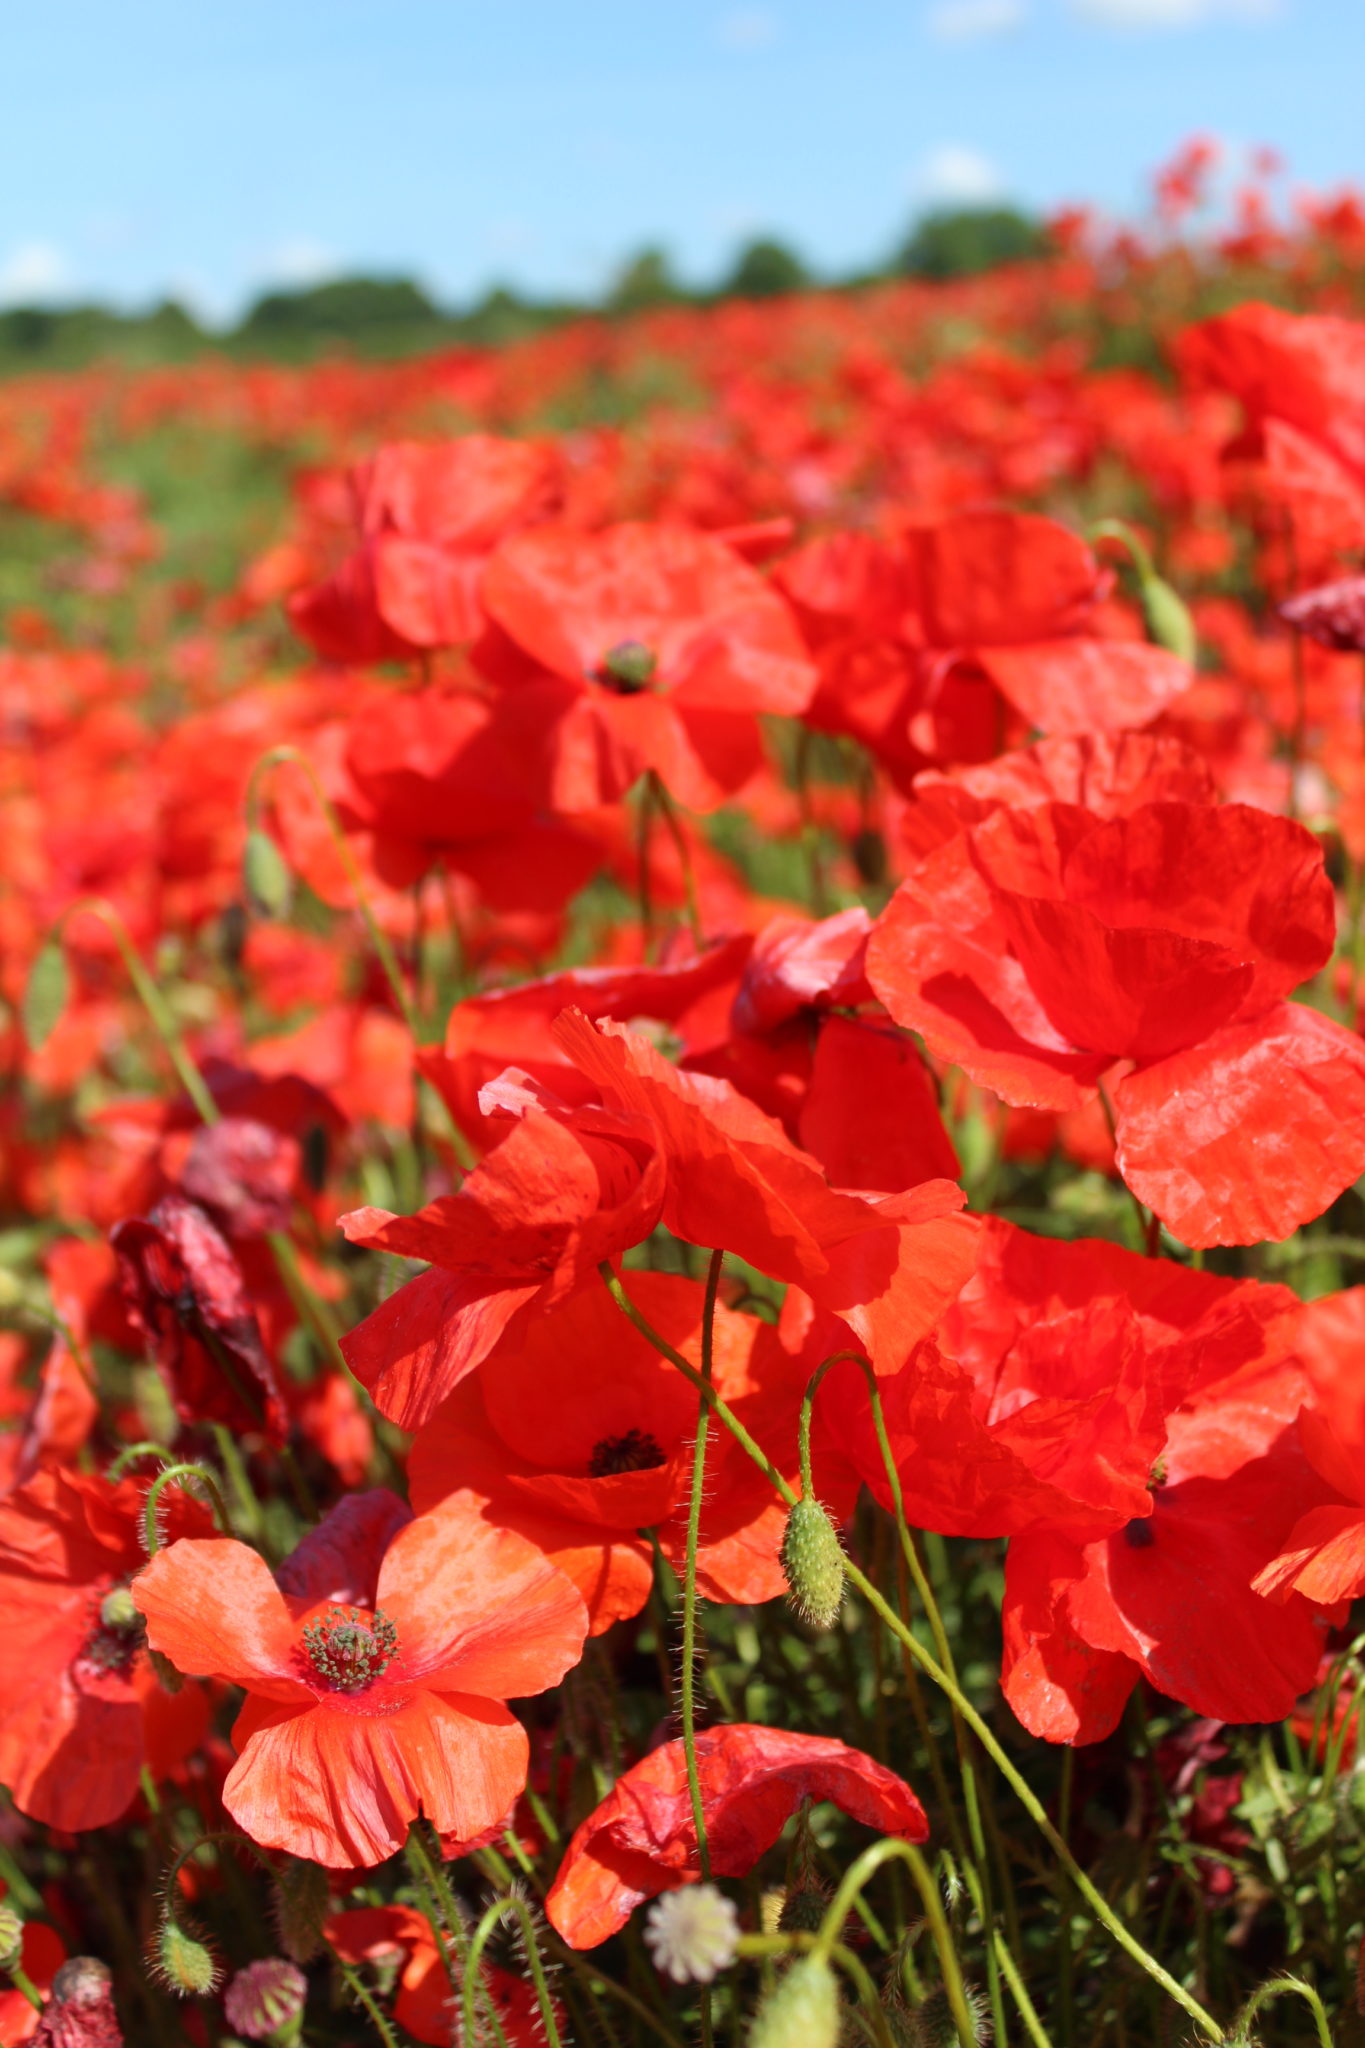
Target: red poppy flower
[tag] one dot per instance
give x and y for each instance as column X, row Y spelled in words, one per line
column 76, row 1688
column 426, row 517
column 665, row 646
column 187, row 1295
column 1043, row 1399
column 528, row 1227
column 424, row 2003
column 1169, row 1597
column 42, row 1955
column 1042, row 946
column 579, row 1435
column 641, row 1840
column 376, row 1668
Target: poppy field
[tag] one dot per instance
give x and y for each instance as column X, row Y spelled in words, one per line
column 682, row 1172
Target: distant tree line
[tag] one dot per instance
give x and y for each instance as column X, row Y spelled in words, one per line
column 378, row 317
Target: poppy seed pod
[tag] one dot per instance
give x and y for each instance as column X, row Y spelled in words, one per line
column 265, row 2001
column 813, row 1562
column 803, row 2011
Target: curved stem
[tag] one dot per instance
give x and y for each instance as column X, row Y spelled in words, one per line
column 361, row 1992
column 688, row 1675
column 177, row 1475
column 130, row 1454
column 152, row 1000
column 1278, row 1987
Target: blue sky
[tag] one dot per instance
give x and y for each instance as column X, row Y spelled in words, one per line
column 167, row 145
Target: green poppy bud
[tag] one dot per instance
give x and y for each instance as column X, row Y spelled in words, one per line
column 265, row 2000
column 46, row 993
column 303, row 1898
column 813, row 1563
column 183, row 1962
column 802, row 2011
column 265, row 876
column 1167, row 618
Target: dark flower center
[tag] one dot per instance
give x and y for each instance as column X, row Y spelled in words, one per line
column 1139, row 1532
column 118, row 1634
column 348, row 1649
column 627, row 668
column 633, row 1452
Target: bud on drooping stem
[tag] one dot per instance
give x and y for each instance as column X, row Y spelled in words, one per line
column 813, row 1563
column 183, row 1962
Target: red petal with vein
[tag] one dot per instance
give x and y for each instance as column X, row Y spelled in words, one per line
column 213, row 1608
column 1083, row 686
column 1323, row 1558
column 1250, row 1134
column 342, row 1788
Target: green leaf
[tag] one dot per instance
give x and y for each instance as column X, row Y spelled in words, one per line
column 265, row 875
column 45, row 995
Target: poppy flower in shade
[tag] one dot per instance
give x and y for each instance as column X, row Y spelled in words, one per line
column 1043, row 1399
column 641, row 1840
column 1324, row 1553
column 426, row 517
column 78, row 1700
column 689, row 992
column 376, row 1669
column 527, row 1228
column 1042, row 947
column 1333, row 614
column 186, row 1293
column 578, row 1434
column 663, row 646
column 1169, row 1597
column 424, row 2004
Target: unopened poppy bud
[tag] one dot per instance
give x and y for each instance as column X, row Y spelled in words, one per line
column 935, row 2027
column 692, row 1934
column 803, row 1909
column 813, row 1563
column 1167, row 618
column 183, row 1962
column 265, row 2001
column 302, row 1899
column 803, row 2010
column 45, row 995
column 265, row 877
column 11, row 1936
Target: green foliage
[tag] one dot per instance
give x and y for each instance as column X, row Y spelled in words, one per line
column 765, row 269
column 960, row 241
column 646, row 281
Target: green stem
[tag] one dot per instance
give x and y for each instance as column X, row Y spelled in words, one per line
column 1278, row 1987
column 1018, row 1784
column 1033, row 2026
column 675, row 832
column 797, row 1943
column 858, row 1875
column 152, row 1000
column 516, row 1905
column 361, row 1992
column 688, row 1675
column 23, row 1983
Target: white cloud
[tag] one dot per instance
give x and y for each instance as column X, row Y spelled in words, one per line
column 1172, row 13
column 749, row 28
column 956, row 175
column 33, row 272
column 970, row 21
column 297, row 264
